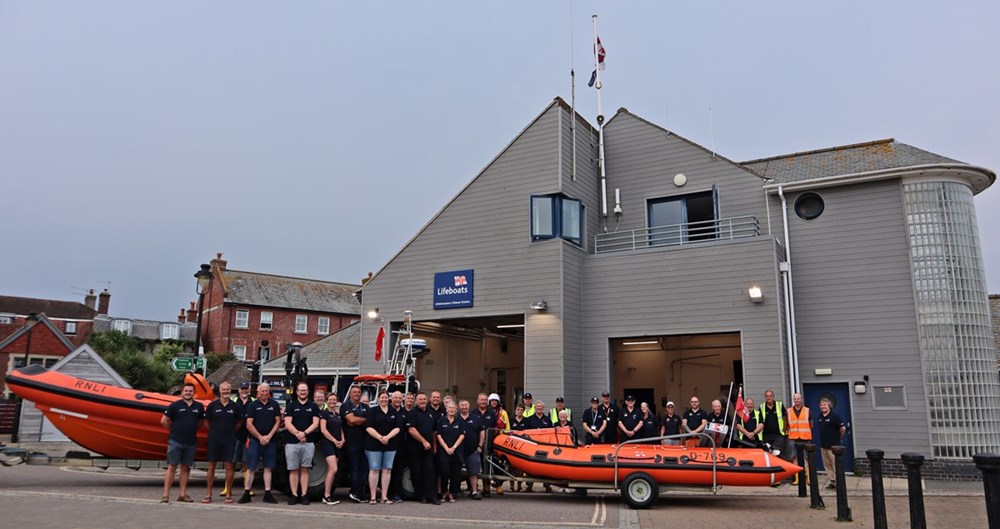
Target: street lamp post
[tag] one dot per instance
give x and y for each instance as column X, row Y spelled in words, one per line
column 204, row 277
column 33, row 319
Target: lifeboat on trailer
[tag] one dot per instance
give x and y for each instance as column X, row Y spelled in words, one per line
column 113, row 421
column 552, row 453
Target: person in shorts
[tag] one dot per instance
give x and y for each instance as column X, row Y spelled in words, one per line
column 182, row 418
column 223, row 415
column 472, row 446
column 301, row 420
column 330, row 444
column 262, row 418
column 382, row 424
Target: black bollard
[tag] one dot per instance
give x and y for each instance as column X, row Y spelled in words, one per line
column 800, row 450
column 875, row 457
column 815, row 501
column 989, row 465
column 843, row 509
column 913, row 463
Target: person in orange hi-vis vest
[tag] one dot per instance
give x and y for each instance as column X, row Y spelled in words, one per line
column 799, row 427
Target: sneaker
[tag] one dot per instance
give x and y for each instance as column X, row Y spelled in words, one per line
column 397, row 499
column 268, row 498
column 304, row 499
column 476, row 496
column 245, row 498
column 486, row 493
column 292, row 500
column 165, row 499
column 354, row 497
column 330, row 501
column 832, row 485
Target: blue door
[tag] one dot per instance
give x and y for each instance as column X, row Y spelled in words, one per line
column 839, row 394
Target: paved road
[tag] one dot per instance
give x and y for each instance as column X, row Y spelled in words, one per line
column 34, row 497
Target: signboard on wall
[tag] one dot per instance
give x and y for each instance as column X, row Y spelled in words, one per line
column 453, row 290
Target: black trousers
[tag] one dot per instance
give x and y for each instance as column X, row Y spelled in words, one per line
column 422, row 473
column 399, row 464
column 449, row 468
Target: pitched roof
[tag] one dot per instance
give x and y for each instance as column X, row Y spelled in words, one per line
column 86, row 352
column 146, row 329
column 234, row 372
column 51, row 307
column 844, row 160
column 43, row 320
column 266, row 290
column 338, row 351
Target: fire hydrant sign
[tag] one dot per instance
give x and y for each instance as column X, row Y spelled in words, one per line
column 453, row 290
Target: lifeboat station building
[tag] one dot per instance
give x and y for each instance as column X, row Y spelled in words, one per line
column 853, row 273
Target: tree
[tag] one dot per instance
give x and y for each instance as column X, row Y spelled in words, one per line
column 124, row 354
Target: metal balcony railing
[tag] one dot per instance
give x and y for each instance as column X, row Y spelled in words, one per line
column 678, row 234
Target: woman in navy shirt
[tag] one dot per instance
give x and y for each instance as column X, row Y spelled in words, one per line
column 450, row 434
column 382, row 425
column 332, row 440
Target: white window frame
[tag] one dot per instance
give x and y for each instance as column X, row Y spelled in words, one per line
column 170, row 331
column 6, row 318
column 124, row 326
column 269, row 316
column 323, row 327
column 71, row 327
column 303, row 320
column 240, row 352
column 242, row 319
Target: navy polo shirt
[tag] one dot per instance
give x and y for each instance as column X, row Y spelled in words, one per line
column 539, row 422
column 383, row 422
column 333, row 424
column 594, row 419
column 423, row 422
column 302, row 414
column 518, row 423
column 829, row 429
column 630, row 418
column 671, row 424
column 473, row 425
column 694, row 418
column 263, row 415
column 650, row 427
column 241, row 407
column 184, row 421
column 450, row 431
column 222, row 421
column 353, row 435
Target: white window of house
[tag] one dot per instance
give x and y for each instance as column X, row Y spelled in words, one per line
column 6, row 318
column 70, row 327
column 265, row 321
column 242, row 319
column 240, row 352
column 301, row 323
column 324, row 326
column 170, row 331
column 124, row 326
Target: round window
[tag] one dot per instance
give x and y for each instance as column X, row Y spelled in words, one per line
column 809, row 206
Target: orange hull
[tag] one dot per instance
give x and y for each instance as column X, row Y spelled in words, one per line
column 550, row 453
column 110, row 420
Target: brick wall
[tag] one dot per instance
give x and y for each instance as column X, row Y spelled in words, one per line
column 938, row 469
column 995, row 319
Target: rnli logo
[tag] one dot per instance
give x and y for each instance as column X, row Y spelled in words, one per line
column 460, row 281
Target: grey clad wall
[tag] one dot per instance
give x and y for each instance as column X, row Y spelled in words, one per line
column 854, row 303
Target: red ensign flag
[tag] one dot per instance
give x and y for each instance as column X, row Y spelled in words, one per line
column 741, row 408
column 378, row 344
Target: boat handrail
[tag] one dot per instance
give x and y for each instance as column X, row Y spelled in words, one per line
column 656, row 440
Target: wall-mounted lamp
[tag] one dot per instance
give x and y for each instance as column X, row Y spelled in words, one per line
column 539, row 305
column 861, row 387
column 373, row 313
column 756, row 295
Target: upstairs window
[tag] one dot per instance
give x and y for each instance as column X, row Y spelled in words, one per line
column 555, row 216
column 240, row 352
column 324, row 326
column 301, row 323
column 682, row 219
column 265, row 321
column 242, row 319
column 170, row 331
column 6, row 318
column 70, row 327
column 124, row 326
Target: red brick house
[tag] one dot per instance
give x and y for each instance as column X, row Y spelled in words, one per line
column 243, row 309
column 73, row 319
column 37, row 341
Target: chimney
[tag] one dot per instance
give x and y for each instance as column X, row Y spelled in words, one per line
column 90, row 299
column 181, row 318
column 192, row 314
column 103, row 300
column 219, row 263
column 365, row 280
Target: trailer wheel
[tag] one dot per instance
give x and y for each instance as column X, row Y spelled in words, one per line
column 640, row 490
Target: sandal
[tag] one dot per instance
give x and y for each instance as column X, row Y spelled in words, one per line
column 165, row 499
column 387, row 501
column 206, row 499
column 371, row 502
column 229, row 499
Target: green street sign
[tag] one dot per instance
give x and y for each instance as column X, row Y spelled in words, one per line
column 187, row 363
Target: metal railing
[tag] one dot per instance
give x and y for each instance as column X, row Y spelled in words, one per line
column 678, row 234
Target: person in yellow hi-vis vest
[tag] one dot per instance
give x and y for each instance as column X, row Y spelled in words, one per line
column 799, row 428
column 772, row 414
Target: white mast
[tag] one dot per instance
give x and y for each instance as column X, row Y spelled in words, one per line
column 600, row 129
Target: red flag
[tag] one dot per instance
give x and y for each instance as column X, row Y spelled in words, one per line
column 378, row 344
column 741, row 408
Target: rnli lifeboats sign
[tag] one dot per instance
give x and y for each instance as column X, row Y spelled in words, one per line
column 453, row 290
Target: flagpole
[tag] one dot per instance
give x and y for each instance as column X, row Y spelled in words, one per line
column 729, row 400
column 572, row 84
column 600, row 129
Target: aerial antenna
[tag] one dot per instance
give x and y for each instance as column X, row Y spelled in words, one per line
column 598, row 63
column 711, row 131
column 572, row 90
column 108, row 283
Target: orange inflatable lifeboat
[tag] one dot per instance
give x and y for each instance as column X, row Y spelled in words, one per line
column 552, row 453
column 110, row 420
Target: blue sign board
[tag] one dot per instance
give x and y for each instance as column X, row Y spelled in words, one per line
column 453, row 290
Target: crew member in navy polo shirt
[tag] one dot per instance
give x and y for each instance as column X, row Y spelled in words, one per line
column 650, row 423
column 629, row 420
column 242, row 401
column 610, row 412
column 539, row 419
column 262, row 418
column 472, row 447
column 182, row 417
column 223, row 416
column 422, row 430
column 330, row 443
column 694, row 419
column 831, row 433
column 402, row 459
column 352, row 414
column 593, row 423
column 450, row 434
column 671, row 424
column 301, row 420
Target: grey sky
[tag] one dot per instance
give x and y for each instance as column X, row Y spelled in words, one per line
column 314, row 139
